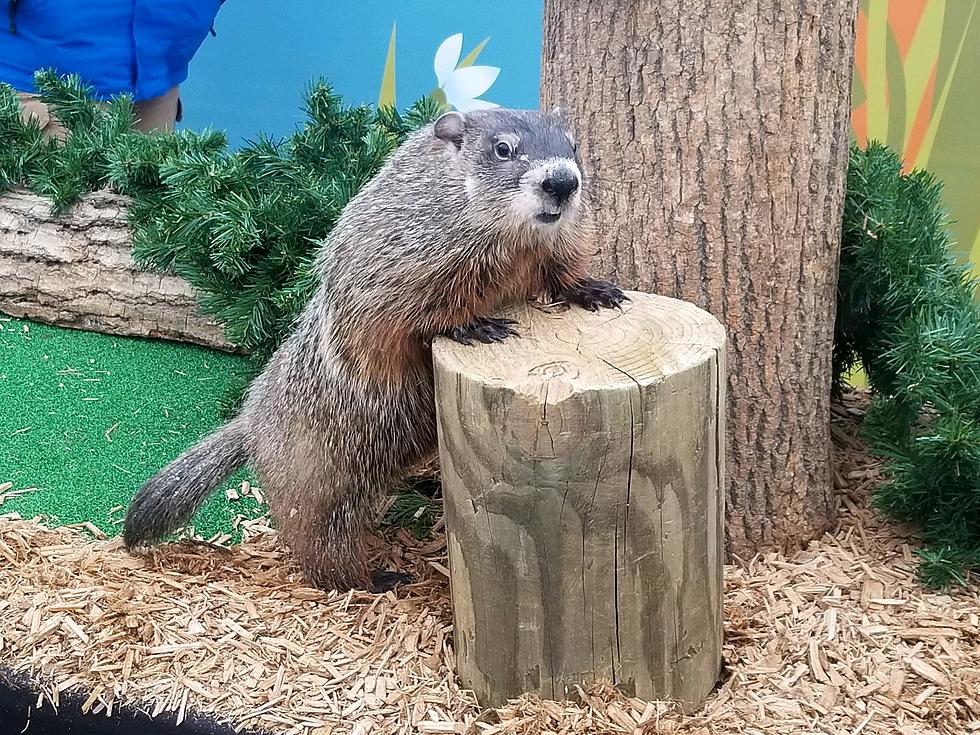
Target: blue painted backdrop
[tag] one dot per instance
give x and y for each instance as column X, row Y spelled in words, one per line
column 250, row 77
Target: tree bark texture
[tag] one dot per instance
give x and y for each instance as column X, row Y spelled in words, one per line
column 76, row 271
column 583, row 475
column 715, row 135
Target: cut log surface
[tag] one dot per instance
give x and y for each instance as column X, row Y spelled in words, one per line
column 76, row 271
column 583, row 479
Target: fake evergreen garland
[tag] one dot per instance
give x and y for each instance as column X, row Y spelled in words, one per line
column 243, row 227
column 908, row 312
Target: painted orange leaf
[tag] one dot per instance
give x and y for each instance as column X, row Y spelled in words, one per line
column 920, row 125
column 861, row 47
column 904, row 17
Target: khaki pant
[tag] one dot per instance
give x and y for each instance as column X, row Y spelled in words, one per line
column 155, row 114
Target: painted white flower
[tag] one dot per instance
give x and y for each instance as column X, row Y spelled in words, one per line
column 462, row 86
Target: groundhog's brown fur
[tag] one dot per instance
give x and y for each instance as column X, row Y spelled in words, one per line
column 472, row 212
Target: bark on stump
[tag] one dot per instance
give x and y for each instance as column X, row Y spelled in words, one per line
column 77, row 271
column 583, row 478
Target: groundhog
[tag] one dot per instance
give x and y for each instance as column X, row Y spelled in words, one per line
column 470, row 213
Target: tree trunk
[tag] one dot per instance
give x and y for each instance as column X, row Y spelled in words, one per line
column 76, row 271
column 715, row 135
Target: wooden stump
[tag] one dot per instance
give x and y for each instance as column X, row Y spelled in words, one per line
column 583, row 477
column 76, row 271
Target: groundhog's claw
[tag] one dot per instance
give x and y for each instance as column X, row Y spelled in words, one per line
column 484, row 329
column 591, row 294
column 382, row 581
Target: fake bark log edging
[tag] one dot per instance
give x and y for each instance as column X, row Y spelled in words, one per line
column 76, row 270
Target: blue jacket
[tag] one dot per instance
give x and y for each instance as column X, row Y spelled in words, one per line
column 138, row 47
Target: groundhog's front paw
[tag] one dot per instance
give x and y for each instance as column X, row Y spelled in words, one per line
column 484, row 330
column 382, row 581
column 591, row 294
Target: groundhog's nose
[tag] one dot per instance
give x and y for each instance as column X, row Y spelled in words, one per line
column 561, row 184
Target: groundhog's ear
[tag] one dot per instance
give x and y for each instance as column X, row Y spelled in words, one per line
column 449, row 128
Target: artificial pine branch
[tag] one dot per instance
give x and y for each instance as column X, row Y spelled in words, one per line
column 241, row 227
column 907, row 311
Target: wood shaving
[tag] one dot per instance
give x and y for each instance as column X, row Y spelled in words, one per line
column 837, row 638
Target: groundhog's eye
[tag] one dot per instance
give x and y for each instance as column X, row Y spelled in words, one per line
column 502, row 149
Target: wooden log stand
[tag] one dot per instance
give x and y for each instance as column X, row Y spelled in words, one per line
column 583, row 478
column 76, row 271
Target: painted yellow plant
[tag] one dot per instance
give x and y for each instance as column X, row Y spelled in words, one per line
column 387, row 96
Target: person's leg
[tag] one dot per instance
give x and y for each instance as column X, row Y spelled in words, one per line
column 31, row 106
column 158, row 113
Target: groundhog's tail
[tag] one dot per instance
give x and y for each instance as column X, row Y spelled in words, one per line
column 170, row 498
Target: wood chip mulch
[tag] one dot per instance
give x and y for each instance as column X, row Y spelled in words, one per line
column 839, row 638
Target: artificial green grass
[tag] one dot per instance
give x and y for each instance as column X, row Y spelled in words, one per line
column 86, row 418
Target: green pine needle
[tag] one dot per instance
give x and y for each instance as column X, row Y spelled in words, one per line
column 907, row 311
column 417, row 507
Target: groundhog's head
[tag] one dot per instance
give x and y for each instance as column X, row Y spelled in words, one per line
column 521, row 167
